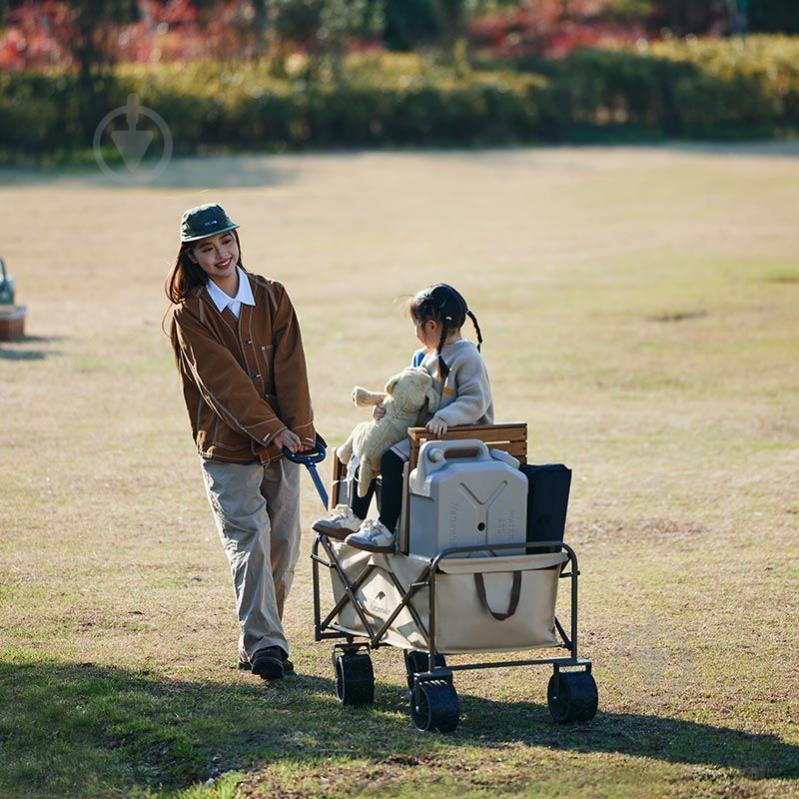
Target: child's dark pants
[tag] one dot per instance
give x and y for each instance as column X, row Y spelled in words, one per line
column 390, row 492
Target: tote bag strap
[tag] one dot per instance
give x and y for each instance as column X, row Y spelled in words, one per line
column 515, row 591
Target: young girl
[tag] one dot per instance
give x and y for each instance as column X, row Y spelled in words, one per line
column 239, row 353
column 459, row 375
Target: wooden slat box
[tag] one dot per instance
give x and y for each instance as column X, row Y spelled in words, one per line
column 12, row 322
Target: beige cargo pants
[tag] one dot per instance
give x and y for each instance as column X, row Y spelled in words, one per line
column 257, row 513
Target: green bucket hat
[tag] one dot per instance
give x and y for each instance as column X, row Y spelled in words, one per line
column 203, row 221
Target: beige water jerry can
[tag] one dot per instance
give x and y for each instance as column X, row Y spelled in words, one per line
column 12, row 317
column 462, row 494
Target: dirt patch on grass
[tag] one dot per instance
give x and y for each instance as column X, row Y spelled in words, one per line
column 677, row 316
column 385, row 774
column 785, row 277
column 652, row 530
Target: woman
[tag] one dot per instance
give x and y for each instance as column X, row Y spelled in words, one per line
column 239, row 352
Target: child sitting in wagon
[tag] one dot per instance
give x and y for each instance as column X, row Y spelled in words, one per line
column 459, row 376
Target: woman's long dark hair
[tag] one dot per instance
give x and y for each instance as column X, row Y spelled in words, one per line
column 443, row 304
column 182, row 278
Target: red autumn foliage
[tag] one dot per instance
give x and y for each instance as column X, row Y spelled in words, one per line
column 39, row 34
column 42, row 33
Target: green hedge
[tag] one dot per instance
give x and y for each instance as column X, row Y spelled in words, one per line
column 691, row 88
column 714, row 89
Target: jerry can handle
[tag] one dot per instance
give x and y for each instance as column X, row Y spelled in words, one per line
column 436, row 453
column 505, row 457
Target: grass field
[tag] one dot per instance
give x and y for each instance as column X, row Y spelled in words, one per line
column 641, row 311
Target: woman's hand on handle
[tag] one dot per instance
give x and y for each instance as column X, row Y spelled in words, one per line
column 288, row 439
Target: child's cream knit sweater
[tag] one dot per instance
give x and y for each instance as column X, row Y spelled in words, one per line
column 466, row 393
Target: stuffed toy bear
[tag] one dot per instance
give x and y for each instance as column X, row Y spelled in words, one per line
column 408, row 399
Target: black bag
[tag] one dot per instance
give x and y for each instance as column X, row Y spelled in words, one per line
column 547, row 502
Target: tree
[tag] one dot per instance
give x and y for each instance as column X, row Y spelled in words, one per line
column 739, row 16
column 324, row 27
column 455, row 16
column 682, row 17
column 774, row 16
column 260, row 24
column 87, row 24
column 410, row 24
column 87, row 30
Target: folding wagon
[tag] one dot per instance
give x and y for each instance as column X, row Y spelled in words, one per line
column 476, row 570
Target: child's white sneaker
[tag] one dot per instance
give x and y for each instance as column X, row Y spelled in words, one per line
column 339, row 524
column 373, row 536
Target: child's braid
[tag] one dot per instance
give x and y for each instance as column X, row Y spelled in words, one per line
column 443, row 369
column 476, row 328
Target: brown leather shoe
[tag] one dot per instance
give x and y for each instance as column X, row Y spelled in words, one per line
column 268, row 663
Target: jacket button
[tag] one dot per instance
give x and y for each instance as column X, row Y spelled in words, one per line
column 256, row 376
column 248, row 342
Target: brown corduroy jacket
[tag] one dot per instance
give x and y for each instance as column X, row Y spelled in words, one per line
column 244, row 380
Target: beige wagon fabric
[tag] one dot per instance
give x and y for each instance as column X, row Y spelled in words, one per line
column 462, row 622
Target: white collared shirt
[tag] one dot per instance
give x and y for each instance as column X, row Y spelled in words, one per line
column 243, row 295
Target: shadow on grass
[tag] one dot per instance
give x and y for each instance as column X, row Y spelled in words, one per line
column 757, row 756
column 226, row 171
column 86, row 730
column 14, row 350
column 22, row 355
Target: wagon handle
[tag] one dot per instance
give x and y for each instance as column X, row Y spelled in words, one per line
column 514, row 596
column 309, row 459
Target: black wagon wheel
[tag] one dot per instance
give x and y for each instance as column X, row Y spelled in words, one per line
column 435, row 706
column 572, row 696
column 418, row 662
column 355, row 679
